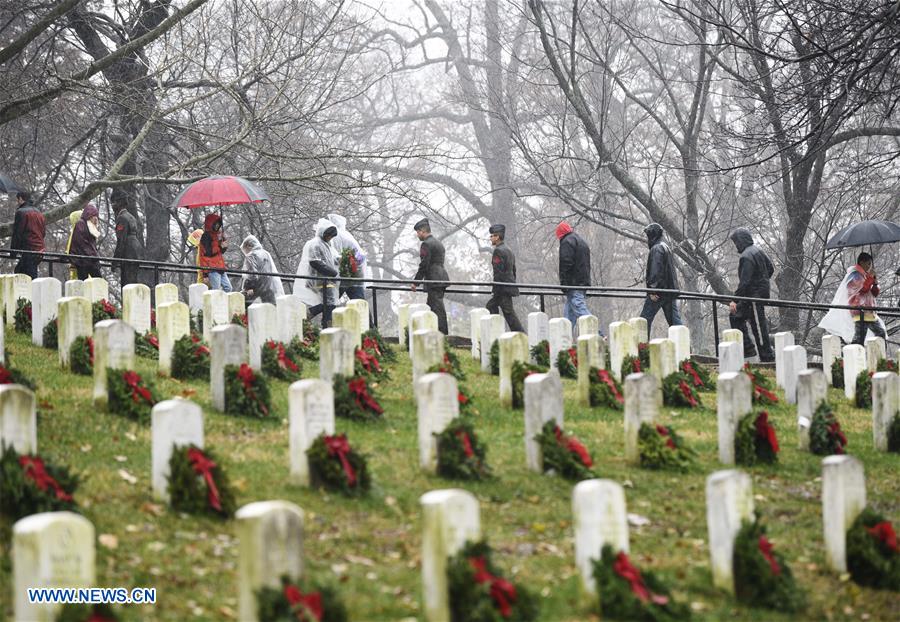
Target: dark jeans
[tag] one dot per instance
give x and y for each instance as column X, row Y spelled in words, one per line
column 863, row 327
column 669, row 308
column 93, row 270
column 355, row 292
column 505, row 304
column 329, row 300
column 755, row 316
column 28, row 264
column 435, row 302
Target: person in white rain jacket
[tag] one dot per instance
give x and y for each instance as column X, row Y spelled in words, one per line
column 257, row 260
column 344, row 240
column 318, row 259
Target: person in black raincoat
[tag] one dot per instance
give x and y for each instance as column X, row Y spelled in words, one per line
column 128, row 239
column 661, row 275
column 504, row 264
column 755, row 270
column 431, row 268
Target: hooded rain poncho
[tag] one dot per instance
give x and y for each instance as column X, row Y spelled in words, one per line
column 257, row 259
column 315, row 250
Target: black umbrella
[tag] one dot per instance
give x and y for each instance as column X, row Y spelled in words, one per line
column 866, row 232
column 7, row 185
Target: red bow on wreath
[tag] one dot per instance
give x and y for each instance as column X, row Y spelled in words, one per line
column 605, row 378
column 688, row 368
column 360, row 391
column 90, row 344
column 248, row 378
column 502, row 591
column 5, row 376
column 461, row 398
column 463, row 437
column 367, row 360
column 573, row 356
column 153, row 340
column 28, row 312
column 762, row 392
column 574, row 446
column 623, row 567
column 766, row 548
column 203, row 466
column 834, row 430
column 884, row 533
column 370, row 344
column 302, row 603
column 283, row 361
column 686, row 392
column 636, row 365
column 339, row 446
column 765, row 430
column 664, row 431
column 138, row 392
column 35, row 471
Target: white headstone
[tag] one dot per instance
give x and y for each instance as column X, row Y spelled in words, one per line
column 74, row 287
column 543, row 402
column 164, row 294
column 348, row 318
column 362, row 308
column 734, row 399
column 843, row 498
column 538, row 328
column 681, row 335
column 513, row 347
column 621, row 344
column 237, row 305
column 491, row 329
column 113, row 349
column 812, row 390
column 18, row 419
column 311, row 406
column 733, row 334
column 421, row 320
column 402, row 323
column 45, row 295
column 662, row 358
column 262, row 324
column 215, row 311
column 640, row 330
column 560, row 338
column 50, row 550
column 336, row 354
column 854, row 362
column 876, row 349
column 475, row 316
column 428, row 350
column 831, row 350
column 729, row 502
column 228, row 346
column 794, row 359
column 75, row 320
column 600, row 518
column 270, row 545
column 641, row 406
column 291, row 315
column 136, row 307
column 591, row 351
column 437, row 407
column 885, row 406
column 195, row 297
column 782, row 340
column 450, row 519
column 96, row 289
column 173, row 321
column 15, row 286
column 411, row 310
column 173, row 423
column 588, row 325
column 731, row 357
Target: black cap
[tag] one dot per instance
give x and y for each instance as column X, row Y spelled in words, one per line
column 498, row 229
column 422, row 224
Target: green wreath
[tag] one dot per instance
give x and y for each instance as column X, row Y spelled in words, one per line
column 367, row 363
column 10, row 375
column 763, row 388
column 520, row 371
column 378, row 343
column 451, row 359
column 190, row 358
column 246, row 392
column 29, row 485
column 81, row 356
column 477, row 592
column 354, row 398
column 894, row 435
column 660, row 447
column 627, row 593
column 886, row 365
column 873, row 557
column 240, row 319
column 198, row 484
column 278, row 362
column 319, row 603
column 699, row 376
column 495, row 358
column 540, row 353
column 837, row 373
column 335, row 466
column 567, row 363
column 460, row 453
column 104, row 310
column 130, row 395
column 825, row 434
column 147, row 345
column 761, row 576
column 679, row 392
column 755, row 441
column 863, row 397
column 305, row 348
column 605, row 390
column 22, row 316
column 51, row 334
column 564, row 454
column 632, row 365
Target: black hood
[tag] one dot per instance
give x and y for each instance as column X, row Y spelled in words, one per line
column 654, row 233
column 742, row 239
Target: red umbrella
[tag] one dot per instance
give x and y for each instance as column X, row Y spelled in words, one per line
column 220, row 190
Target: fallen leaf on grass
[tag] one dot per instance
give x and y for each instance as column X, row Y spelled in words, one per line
column 121, row 458
column 108, row 540
column 86, row 448
column 128, row 477
column 356, row 559
column 45, row 405
column 339, row 569
column 636, row 520
column 152, row 508
column 228, row 612
column 130, row 436
column 188, row 393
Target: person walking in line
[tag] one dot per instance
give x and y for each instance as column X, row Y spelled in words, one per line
column 755, row 270
column 128, row 239
column 212, row 253
column 74, row 217
column 859, row 289
column 84, row 243
column 574, row 270
column 355, row 290
column 318, row 259
column 660, row 274
column 431, row 268
column 29, row 228
column 256, row 286
column 503, row 262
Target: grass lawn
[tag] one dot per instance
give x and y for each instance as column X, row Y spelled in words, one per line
column 370, row 548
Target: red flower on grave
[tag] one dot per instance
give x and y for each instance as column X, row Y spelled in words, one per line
column 461, row 398
column 664, row 431
column 5, row 375
column 370, row 344
column 766, row 548
column 368, row 361
column 884, row 533
column 248, row 379
column 339, row 446
column 90, row 345
column 35, row 471
column 766, row 431
column 624, row 568
column 688, row 395
column 688, row 368
column 502, row 591
column 359, row 388
column 301, row 603
column 573, row 445
column 203, row 467
column 138, row 391
column 605, row 378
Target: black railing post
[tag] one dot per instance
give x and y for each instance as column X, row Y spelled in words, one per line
column 374, row 306
column 50, row 265
column 155, row 275
column 543, row 310
column 715, row 313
